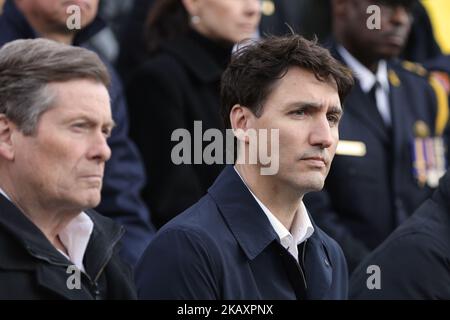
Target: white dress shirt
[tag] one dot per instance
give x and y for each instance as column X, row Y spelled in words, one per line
column 367, row 80
column 75, row 237
column 301, row 228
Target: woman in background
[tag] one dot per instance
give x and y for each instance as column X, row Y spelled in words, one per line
column 190, row 44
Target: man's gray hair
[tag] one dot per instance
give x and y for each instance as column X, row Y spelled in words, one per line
column 28, row 66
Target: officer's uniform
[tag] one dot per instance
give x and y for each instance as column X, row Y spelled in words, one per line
column 385, row 165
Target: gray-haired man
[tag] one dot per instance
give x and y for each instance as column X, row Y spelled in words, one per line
column 55, row 117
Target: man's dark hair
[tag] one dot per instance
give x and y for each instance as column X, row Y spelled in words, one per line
column 255, row 68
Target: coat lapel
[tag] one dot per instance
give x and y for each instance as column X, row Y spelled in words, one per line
column 401, row 131
column 318, row 268
column 243, row 215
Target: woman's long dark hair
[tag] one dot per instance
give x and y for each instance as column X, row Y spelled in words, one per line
column 166, row 20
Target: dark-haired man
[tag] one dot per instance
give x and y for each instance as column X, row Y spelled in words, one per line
column 251, row 237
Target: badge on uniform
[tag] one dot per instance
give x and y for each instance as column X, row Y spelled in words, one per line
column 429, row 162
column 351, row 148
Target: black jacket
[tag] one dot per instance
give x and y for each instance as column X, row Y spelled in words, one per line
column 31, row 268
column 415, row 260
column 124, row 172
column 178, row 85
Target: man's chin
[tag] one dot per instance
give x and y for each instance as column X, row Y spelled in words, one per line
column 315, row 187
column 311, row 185
column 91, row 201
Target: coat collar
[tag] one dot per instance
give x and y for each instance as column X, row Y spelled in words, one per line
column 28, row 234
column 20, row 28
column 243, row 215
column 104, row 237
column 205, row 59
column 253, row 231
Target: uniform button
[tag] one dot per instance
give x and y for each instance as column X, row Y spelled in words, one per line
column 327, row 263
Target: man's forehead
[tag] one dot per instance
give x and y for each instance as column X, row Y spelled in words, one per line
column 73, row 99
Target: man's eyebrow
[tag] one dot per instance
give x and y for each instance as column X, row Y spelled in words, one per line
column 336, row 110
column 111, row 123
column 313, row 105
column 88, row 118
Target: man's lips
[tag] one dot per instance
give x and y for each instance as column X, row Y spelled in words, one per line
column 316, row 161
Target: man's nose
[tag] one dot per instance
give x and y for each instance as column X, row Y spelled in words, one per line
column 320, row 134
column 99, row 149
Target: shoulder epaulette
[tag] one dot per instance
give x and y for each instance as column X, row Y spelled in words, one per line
column 415, row 68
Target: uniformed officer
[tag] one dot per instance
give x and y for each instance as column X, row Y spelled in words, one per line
column 391, row 152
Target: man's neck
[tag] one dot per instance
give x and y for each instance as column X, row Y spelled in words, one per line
column 43, row 215
column 281, row 202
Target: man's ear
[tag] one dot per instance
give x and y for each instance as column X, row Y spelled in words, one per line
column 6, row 141
column 190, row 6
column 241, row 119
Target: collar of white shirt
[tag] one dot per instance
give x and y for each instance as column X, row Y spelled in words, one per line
column 366, row 78
column 302, row 227
column 75, row 237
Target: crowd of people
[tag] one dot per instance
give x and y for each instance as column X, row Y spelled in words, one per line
column 88, row 117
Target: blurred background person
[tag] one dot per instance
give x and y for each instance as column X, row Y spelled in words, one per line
column 133, row 49
column 124, row 172
column 415, row 260
column 390, row 114
column 190, row 43
column 305, row 17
